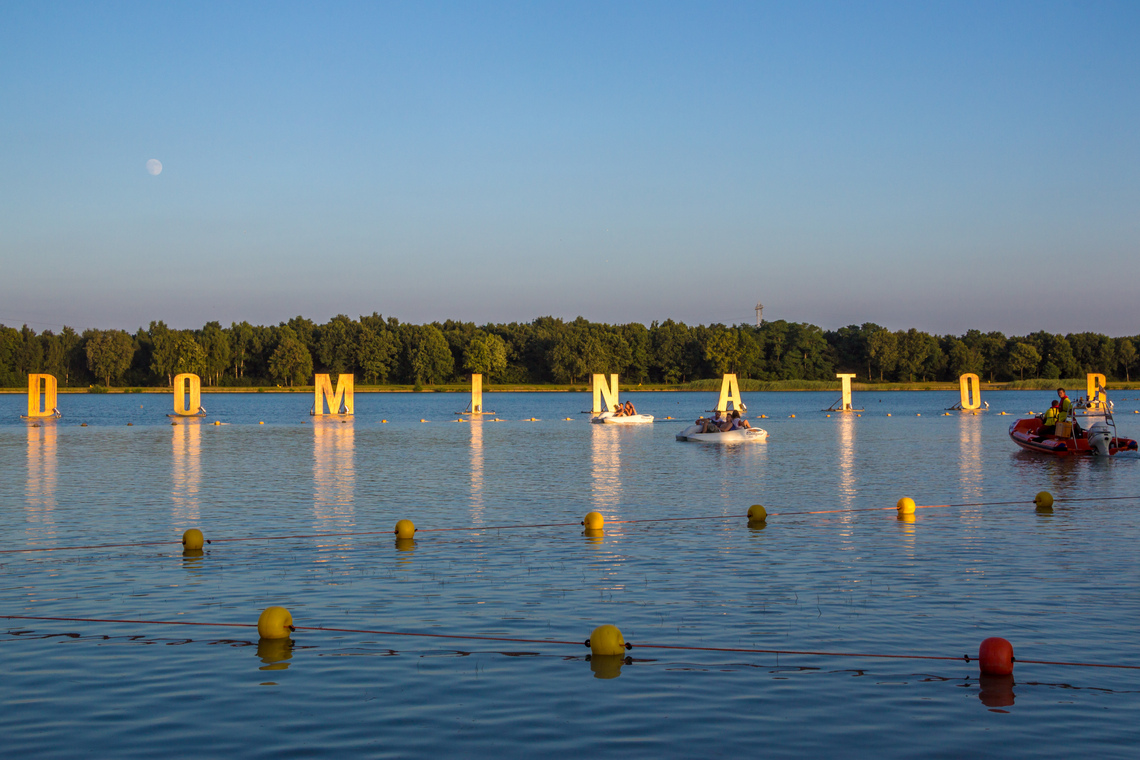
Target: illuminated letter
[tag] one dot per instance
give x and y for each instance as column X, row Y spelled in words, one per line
column 476, row 394
column 607, row 392
column 846, row 391
column 342, row 399
column 48, row 395
column 1096, row 382
column 729, row 391
column 971, row 386
column 187, row 385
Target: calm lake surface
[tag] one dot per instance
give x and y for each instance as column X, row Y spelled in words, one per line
column 854, row 579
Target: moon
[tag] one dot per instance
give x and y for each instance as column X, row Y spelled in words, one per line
column 154, row 167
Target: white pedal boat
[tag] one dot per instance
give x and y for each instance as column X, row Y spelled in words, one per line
column 608, row 418
column 743, row 435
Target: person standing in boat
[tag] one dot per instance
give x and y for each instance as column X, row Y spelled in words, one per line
column 1066, row 405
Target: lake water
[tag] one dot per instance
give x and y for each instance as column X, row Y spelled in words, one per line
column 1061, row 586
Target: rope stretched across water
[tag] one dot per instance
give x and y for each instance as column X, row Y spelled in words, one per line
column 523, row 526
column 517, row 640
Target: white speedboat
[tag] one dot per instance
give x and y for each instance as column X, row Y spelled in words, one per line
column 742, row 435
column 609, row 418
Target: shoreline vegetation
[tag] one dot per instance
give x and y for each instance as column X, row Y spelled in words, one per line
column 711, row 386
column 551, row 354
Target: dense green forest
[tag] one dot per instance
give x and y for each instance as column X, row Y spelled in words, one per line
column 385, row 351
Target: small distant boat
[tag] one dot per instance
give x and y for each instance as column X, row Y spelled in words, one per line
column 609, row 418
column 742, row 435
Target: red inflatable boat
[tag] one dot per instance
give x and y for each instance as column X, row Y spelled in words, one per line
column 1094, row 433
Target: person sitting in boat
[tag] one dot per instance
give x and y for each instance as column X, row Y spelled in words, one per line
column 1049, row 421
column 738, row 422
column 618, row 411
column 713, row 425
column 629, row 409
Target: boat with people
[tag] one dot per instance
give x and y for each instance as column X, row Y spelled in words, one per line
column 622, row 414
column 1086, row 427
column 721, row 428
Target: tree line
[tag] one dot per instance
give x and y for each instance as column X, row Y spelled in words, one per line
column 380, row 351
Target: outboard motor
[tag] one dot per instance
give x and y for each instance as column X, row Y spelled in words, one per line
column 1099, row 437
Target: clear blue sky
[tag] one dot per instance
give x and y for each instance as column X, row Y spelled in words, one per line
column 933, row 165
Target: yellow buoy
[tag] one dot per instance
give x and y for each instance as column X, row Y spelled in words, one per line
column 193, row 539
column 262, row 422
column 84, row 424
column 275, row 623
column 383, row 420
column 607, row 640
column 888, row 414
column 594, row 521
column 1044, row 501
column 757, row 513
column 217, row 422
column 906, row 506
column 829, row 415
column 791, row 415
column 405, row 529
column 422, row 420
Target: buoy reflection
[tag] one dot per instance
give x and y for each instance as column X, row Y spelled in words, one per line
column 275, row 653
column 594, row 535
column 606, row 666
column 996, row 691
column 406, row 548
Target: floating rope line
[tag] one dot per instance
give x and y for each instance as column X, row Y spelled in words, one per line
column 516, row 640
column 522, row 526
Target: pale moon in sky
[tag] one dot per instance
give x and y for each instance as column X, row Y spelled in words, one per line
column 154, row 166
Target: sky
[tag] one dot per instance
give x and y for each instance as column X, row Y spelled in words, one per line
column 944, row 166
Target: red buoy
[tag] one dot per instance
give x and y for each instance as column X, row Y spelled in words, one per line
column 995, row 657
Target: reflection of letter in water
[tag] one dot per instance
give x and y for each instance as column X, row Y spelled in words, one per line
column 606, row 665
column 334, row 474
column 40, row 484
column 186, row 472
column 996, row 691
column 970, row 454
column 846, row 425
column 605, row 458
column 274, row 653
column 476, row 470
